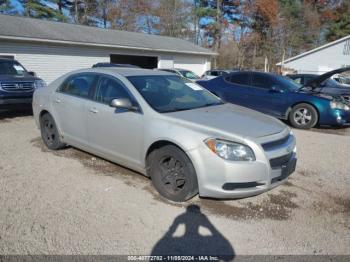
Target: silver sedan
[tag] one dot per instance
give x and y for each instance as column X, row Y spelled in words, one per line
column 180, row 135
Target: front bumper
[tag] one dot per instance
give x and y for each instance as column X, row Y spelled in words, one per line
column 335, row 117
column 9, row 103
column 219, row 178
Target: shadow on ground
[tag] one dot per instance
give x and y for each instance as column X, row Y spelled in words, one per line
column 200, row 237
column 335, row 130
column 6, row 116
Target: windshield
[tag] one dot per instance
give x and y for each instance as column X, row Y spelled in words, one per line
column 11, row 68
column 289, row 83
column 170, row 93
column 188, row 74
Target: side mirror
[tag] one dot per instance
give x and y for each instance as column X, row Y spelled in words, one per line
column 122, row 103
column 32, row 73
column 276, row 89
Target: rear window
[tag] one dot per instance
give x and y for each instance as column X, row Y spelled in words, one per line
column 79, row 85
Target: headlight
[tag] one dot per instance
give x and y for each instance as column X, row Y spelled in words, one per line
column 39, row 84
column 230, row 150
column 339, row 105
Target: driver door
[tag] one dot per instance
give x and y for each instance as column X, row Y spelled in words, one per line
column 115, row 133
column 268, row 97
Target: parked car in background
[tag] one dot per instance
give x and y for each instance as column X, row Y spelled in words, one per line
column 342, row 79
column 211, row 74
column 16, row 85
column 181, row 72
column 170, row 129
column 325, row 83
column 114, row 65
column 281, row 97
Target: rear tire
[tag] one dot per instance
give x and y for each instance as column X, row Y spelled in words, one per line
column 303, row 116
column 172, row 173
column 49, row 132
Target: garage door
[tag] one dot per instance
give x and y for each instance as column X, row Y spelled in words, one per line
column 7, row 56
column 195, row 64
column 149, row 62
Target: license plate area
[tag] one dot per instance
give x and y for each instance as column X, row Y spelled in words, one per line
column 286, row 170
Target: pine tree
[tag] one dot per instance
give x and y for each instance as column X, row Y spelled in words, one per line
column 340, row 27
column 42, row 10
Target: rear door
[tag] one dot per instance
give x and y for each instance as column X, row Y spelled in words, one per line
column 115, row 133
column 69, row 104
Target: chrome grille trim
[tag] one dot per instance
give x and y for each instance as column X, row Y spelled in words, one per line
column 17, row 86
column 268, row 146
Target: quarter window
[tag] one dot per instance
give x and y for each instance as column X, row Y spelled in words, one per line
column 239, row 79
column 298, row 80
column 78, row 86
column 109, row 89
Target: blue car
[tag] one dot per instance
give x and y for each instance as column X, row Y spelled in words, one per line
column 303, row 106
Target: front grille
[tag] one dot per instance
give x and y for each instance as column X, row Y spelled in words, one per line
column 278, row 162
column 275, row 144
column 17, row 86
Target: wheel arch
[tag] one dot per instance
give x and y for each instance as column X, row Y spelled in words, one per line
column 43, row 112
column 304, row 102
column 46, row 111
column 158, row 144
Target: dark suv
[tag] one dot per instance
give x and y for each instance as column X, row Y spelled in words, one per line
column 16, row 85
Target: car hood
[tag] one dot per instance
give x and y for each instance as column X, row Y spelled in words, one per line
column 17, row 78
column 315, row 82
column 233, row 119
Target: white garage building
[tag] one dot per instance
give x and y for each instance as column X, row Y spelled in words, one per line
column 52, row 48
column 322, row 59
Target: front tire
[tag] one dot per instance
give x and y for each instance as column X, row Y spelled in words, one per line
column 49, row 132
column 172, row 173
column 303, row 116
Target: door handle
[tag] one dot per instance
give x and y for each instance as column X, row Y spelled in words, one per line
column 57, row 100
column 93, row 110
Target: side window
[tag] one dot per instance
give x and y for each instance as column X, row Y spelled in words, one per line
column 262, row 81
column 239, row 79
column 79, row 85
column 214, row 73
column 298, row 80
column 109, row 89
column 307, row 79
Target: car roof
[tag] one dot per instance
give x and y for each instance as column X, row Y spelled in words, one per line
column 124, row 71
column 301, row 75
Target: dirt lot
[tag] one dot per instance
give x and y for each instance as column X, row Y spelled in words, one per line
column 70, row 202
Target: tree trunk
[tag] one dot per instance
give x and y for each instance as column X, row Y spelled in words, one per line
column 76, row 17
column 59, row 3
column 218, row 31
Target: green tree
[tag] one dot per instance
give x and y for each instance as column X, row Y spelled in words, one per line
column 6, row 7
column 340, row 26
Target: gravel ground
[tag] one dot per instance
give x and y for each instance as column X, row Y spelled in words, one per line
column 70, row 202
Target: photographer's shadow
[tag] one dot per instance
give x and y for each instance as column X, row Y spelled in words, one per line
column 193, row 242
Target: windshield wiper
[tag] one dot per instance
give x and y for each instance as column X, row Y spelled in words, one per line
column 176, row 109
